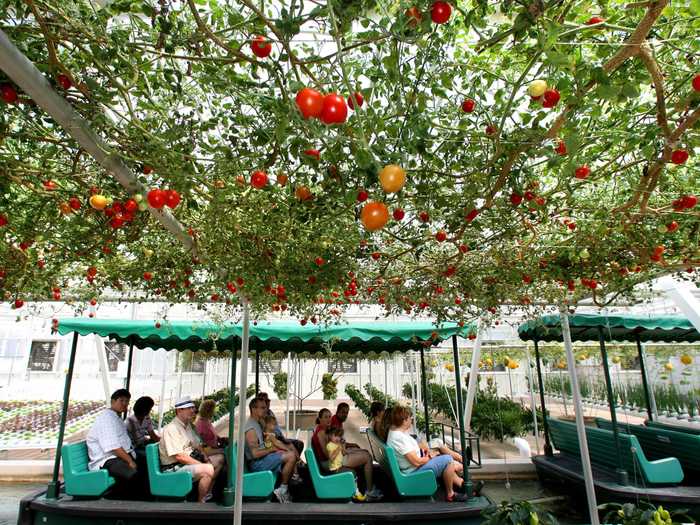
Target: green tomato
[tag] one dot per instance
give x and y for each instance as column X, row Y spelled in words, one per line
column 138, row 197
column 584, row 254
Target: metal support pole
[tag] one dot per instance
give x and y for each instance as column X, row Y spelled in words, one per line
column 580, row 426
column 645, row 381
column 621, row 472
column 460, row 418
column 129, row 364
column 229, row 490
column 547, row 445
column 425, row 394
column 53, row 488
column 242, row 411
column 161, row 403
column 289, row 372
column 257, row 372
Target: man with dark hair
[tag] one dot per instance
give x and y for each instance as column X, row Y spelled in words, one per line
column 260, row 458
column 341, row 415
column 109, row 445
column 297, row 443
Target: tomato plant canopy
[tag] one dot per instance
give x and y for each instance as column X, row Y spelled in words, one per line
column 551, row 145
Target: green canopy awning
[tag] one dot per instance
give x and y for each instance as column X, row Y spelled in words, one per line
column 273, row 336
column 616, row 327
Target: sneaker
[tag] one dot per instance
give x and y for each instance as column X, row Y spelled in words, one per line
column 359, row 497
column 374, row 495
column 208, row 497
column 282, row 495
column 296, row 479
column 457, row 496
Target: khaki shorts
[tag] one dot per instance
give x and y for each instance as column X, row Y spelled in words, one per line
column 197, row 471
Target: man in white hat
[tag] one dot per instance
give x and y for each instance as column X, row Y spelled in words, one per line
column 181, row 448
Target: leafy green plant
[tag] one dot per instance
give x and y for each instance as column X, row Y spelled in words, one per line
column 279, row 385
column 329, row 385
column 643, row 514
column 517, row 513
column 358, row 398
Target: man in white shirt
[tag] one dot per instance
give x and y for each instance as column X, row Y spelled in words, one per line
column 109, row 446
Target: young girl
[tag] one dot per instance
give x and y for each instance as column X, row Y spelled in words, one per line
column 270, row 422
column 335, row 449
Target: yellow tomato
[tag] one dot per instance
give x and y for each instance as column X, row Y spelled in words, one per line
column 450, row 367
column 686, row 359
column 99, row 202
column 537, row 88
column 668, row 366
column 513, row 364
column 616, row 359
column 392, row 178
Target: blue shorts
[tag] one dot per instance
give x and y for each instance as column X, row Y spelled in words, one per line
column 437, row 464
column 271, row 462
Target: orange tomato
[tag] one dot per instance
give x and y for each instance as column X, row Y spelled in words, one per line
column 374, row 215
column 303, row 193
column 392, row 178
column 282, row 179
column 98, row 202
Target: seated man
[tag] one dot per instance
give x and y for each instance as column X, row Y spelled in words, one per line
column 298, row 444
column 110, row 448
column 341, row 415
column 181, row 448
column 260, row 458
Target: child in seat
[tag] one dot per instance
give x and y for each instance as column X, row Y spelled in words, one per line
column 335, row 449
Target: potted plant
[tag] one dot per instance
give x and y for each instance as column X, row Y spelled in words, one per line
column 520, row 512
column 643, row 514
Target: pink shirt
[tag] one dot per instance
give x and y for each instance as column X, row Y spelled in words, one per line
column 206, row 431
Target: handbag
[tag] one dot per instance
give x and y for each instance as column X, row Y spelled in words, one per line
column 197, row 454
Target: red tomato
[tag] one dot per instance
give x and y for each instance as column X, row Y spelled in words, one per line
column 310, row 103
column 131, row 206
column 147, row 169
column 156, row 198
column 551, row 98
column 561, row 148
column 261, row 47
column 440, row 12
column 64, row 81
column 594, row 20
column 689, row 201
column 313, row 153
column 468, row 105
column 147, row 276
column 258, row 180
column 334, row 110
column 679, row 156
column 362, row 196
column 19, row 303
column 74, row 203
column 355, row 97
column 515, row 198
column 696, row 83
column 472, row 215
column 3, row 220
column 8, row 94
column 172, row 199
column 398, row 214
column 582, row 172
column 441, row 236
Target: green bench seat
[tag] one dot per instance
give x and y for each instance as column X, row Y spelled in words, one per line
column 603, row 453
column 675, row 428
column 409, row 485
column 329, row 487
column 258, row 485
column 660, row 443
column 170, row 484
column 78, row 480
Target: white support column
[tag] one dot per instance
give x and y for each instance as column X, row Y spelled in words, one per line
column 289, row 373
column 533, row 405
column 242, row 411
column 473, row 379
column 161, row 403
column 103, row 366
column 683, row 298
column 578, row 410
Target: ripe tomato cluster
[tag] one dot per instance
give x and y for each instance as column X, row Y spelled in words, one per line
column 158, row 198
